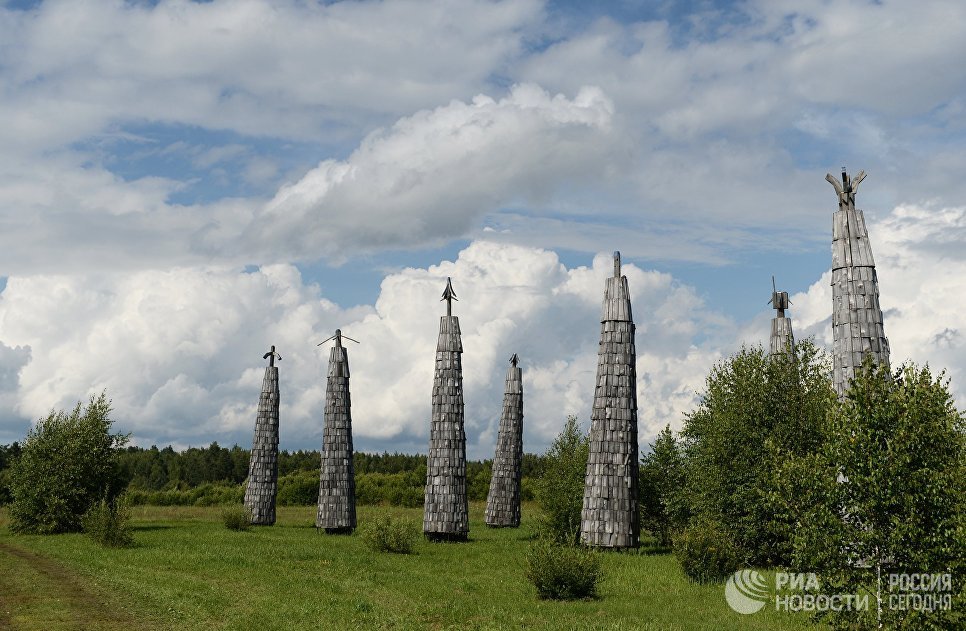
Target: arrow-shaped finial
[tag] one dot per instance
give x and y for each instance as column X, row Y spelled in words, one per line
column 449, row 296
column 271, row 356
column 617, row 264
column 338, row 339
column 514, row 360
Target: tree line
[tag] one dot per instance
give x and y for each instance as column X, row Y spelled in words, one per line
column 216, row 475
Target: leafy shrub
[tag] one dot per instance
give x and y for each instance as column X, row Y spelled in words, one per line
column 67, row 464
column 528, row 491
column 107, row 524
column 758, row 411
column 395, row 489
column 478, row 483
column 888, row 490
column 706, row 553
column 388, row 534
column 207, row 494
column 237, row 518
column 5, row 494
column 663, row 510
column 560, row 489
column 562, row 572
column 298, row 489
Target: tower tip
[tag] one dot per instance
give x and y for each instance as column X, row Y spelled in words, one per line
column 449, row 296
column 271, row 356
column 617, row 264
column 514, row 360
column 338, row 337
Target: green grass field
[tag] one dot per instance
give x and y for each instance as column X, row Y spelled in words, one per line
column 188, row 571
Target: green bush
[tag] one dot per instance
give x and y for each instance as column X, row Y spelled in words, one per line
column 67, row 464
column 757, row 412
column 107, row 524
column 5, row 494
column 663, row 509
column 207, row 494
column 563, row 572
column 888, row 491
column 395, row 489
column 706, row 553
column 478, row 483
column 560, row 489
column 389, row 534
column 298, row 489
column 237, row 518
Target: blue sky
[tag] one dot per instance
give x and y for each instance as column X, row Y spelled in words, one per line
column 182, row 184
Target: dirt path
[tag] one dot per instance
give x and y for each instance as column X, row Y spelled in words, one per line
column 39, row 593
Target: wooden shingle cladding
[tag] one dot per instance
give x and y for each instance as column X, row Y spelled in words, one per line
column 857, row 328
column 503, row 499
column 445, row 510
column 782, row 339
column 337, row 488
column 263, row 466
column 609, row 517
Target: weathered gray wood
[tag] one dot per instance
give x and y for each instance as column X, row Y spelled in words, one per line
column 857, row 328
column 609, row 517
column 782, row 339
column 503, row 499
column 445, row 509
column 263, row 465
column 337, row 487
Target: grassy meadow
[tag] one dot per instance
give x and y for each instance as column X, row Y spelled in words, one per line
column 187, row 571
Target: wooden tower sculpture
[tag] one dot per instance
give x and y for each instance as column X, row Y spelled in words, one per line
column 503, row 500
column 856, row 316
column 445, row 511
column 609, row 517
column 263, row 465
column 337, row 485
column 782, row 338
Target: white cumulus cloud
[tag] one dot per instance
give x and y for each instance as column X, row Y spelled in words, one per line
column 432, row 175
column 179, row 351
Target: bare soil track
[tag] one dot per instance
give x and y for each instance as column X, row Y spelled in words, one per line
column 39, row 593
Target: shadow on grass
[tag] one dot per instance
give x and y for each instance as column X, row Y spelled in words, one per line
column 149, row 528
column 654, row 550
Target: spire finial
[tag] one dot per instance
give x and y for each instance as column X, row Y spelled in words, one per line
column 514, row 360
column 617, row 264
column 779, row 299
column 846, row 188
column 271, row 356
column 449, row 296
column 338, row 337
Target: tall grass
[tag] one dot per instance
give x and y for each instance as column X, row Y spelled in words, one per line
column 188, row 572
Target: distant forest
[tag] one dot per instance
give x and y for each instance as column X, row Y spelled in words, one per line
column 216, row 475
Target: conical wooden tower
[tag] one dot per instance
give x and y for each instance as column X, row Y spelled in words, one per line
column 856, row 316
column 445, row 512
column 263, row 465
column 609, row 517
column 503, row 500
column 337, row 486
column 782, row 338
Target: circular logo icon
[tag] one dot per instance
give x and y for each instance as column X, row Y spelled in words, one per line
column 746, row 591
